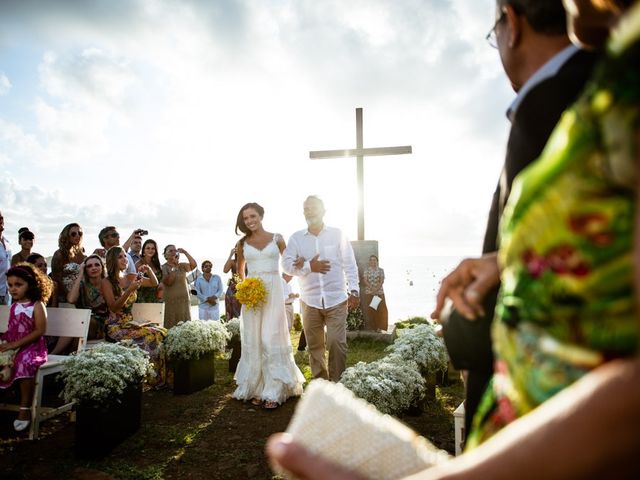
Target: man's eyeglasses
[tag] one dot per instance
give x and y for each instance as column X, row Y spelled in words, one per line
column 76, row 234
column 491, row 36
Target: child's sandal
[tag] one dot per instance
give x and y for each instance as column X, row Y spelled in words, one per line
column 20, row 425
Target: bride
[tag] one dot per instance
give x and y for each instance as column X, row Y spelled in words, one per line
column 266, row 371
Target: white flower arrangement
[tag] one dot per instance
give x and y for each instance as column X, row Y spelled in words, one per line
column 194, row 338
column 391, row 384
column 233, row 327
column 422, row 345
column 100, row 375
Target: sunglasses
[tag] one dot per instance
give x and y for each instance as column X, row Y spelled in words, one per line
column 112, row 235
column 92, row 265
column 76, row 234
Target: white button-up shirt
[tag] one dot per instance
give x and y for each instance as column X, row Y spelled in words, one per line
column 209, row 288
column 5, row 263
column 316, row 289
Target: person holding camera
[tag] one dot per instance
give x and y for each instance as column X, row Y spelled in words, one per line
column 177, row 307
column 109, row 237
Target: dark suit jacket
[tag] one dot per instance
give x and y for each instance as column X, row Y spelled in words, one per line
column 469, row 342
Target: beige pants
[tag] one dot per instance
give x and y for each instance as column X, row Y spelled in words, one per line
column 288, row 308
column 314, row 321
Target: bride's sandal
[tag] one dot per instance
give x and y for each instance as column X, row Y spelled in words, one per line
column 269, row 405
column 20, row 425
column 256, row 401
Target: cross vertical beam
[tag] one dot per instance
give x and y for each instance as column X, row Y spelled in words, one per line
column 360, row 152
column 360, row 173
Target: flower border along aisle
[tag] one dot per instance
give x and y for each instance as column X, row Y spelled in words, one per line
column 106, row 383
column 399, row 381
column 190, row 347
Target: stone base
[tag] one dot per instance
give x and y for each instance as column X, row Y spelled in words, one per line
column 387, row 337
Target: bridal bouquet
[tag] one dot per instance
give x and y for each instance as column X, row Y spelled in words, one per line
column 251, row 292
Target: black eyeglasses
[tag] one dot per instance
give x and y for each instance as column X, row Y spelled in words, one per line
column 92, row 265
column 491, row 36
column 112, row 235
column 76, row 234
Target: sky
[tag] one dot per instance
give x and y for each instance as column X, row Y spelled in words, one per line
column 170, row 115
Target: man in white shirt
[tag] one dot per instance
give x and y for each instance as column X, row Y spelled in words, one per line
column 323, row 260
column 5, row 263
column 208, row 290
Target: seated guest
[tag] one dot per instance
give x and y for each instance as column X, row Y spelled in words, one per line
column 25, row 239
column 41, row 264
column 151, row 259
column 119, row 291
column 87, row 293
column 209, row 291
column 65, row 263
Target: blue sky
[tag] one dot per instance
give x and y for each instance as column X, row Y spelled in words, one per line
column 170, row 115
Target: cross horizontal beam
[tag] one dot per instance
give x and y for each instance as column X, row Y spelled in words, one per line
column 360, row 152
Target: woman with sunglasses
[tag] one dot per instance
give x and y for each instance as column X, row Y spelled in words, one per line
column 65, row 263
column 87, row 293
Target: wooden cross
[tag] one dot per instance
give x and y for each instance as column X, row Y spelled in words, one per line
column 360, row 153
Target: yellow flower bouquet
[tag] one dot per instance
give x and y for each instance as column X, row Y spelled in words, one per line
column 251, row 292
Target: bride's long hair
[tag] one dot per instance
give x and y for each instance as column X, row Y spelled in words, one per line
column 240, row 225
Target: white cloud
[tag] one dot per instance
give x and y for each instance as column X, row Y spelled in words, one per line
column 5, row 84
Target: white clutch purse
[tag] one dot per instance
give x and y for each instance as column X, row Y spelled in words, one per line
column 331, row 422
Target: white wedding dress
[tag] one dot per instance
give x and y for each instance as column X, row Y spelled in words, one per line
column 266, row 370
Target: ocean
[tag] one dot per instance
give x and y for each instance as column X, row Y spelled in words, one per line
column 410, row 286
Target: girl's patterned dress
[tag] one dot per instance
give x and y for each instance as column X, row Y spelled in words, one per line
column 31, row 356
column 566, row 305
column 148, row 338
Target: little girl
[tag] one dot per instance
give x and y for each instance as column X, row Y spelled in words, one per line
column 30, row 290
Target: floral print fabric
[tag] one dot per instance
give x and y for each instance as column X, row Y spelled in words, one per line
column 566, row 302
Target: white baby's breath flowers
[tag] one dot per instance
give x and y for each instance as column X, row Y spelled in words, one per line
column 391, row 383
column 99, row 375
column 190, row 340
column 422, row 345
column 233, row 327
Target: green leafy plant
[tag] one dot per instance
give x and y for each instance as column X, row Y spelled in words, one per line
column 99, row 376
column 192, row 339
column 355, row 319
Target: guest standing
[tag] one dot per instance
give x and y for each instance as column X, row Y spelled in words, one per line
column 177, row 307
column 151, row 259
column 373, row 279
column 25, row 239
column 323, row 260
column 65, row 263
column 289, row 298
column 232, row 306
column 209, row 291
column 87, row 293
column 119, row 291
column 5, row 261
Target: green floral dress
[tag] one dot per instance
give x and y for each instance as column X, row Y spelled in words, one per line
column 566, row 303
column 150, row 294
column 148, row 338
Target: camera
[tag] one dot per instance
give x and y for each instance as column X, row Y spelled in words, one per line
column 141, row 232
column 139, row 276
